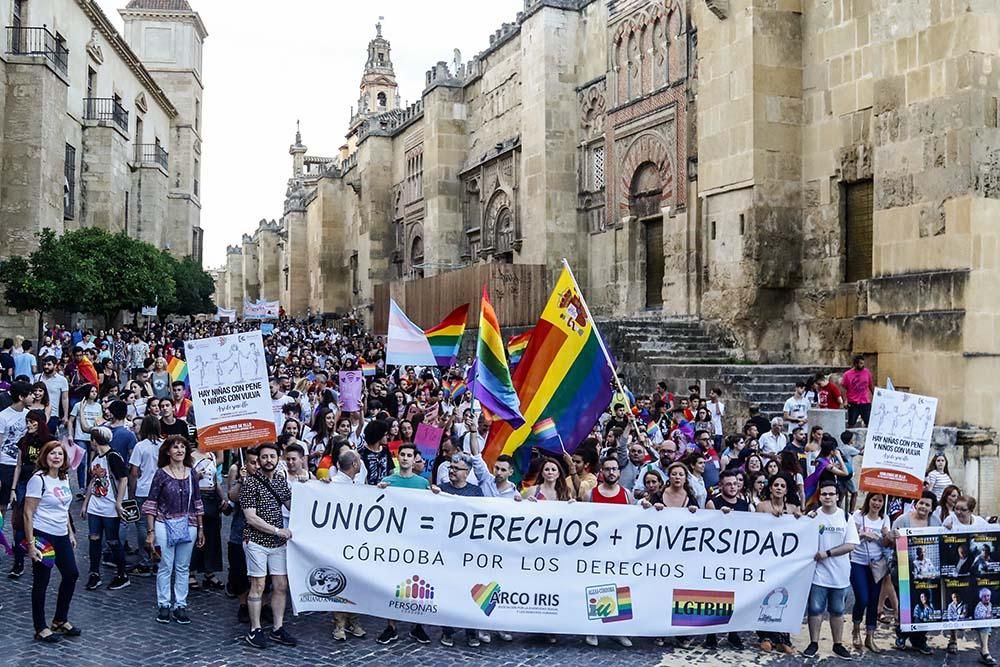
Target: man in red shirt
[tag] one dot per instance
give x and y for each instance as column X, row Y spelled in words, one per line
column 858, row 385
column 827, row 393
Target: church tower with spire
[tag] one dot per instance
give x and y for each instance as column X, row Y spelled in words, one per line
column 379, row 91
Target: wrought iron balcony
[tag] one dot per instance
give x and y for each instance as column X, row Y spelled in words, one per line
column 105, row 110
column 25, row 41
column 151, row 153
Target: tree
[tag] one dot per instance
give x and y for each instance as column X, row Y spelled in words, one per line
column 193, row 289
column 88, row 270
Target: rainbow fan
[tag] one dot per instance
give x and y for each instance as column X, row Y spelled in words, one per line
column 45, row 550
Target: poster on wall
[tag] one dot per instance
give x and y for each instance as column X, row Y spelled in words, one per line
column 898, row 443
column 229, row 391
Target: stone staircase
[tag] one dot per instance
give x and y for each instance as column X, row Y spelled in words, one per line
column 686, row 351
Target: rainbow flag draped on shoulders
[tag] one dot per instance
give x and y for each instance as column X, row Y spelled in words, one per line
column 493, row 386
column 564, row 376
column 408, row 344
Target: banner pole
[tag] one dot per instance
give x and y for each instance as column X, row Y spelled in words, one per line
column 600, row 341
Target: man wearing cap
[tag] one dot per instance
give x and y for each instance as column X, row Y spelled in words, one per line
column 774, row 440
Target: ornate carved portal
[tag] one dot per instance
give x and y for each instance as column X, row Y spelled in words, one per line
column 647, row 156
column 489, row 209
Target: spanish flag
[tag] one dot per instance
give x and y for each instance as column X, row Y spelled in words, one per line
column 564, row 376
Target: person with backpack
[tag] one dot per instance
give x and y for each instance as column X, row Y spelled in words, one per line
column 102, row 507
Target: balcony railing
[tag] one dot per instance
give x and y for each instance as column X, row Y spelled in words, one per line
column 105, row 110
column 151, row 153
column 23, row 41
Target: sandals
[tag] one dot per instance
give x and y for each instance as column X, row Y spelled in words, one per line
column 856, row 638
column 987, row 659
column 870, row 644
column 66, row 629
column 211, row 583
column 50, row 638
column 193, row 584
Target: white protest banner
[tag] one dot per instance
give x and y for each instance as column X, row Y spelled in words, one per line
column 546, row 567
column 352, row 383
column 261, row 310
column 225, row 314
column 898, row 443
column 229, row 391
column 948, row 580
column 150, row 311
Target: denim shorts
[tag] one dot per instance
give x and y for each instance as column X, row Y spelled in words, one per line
column 823, row 599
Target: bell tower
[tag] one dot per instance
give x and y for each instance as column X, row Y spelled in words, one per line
column 379, row 92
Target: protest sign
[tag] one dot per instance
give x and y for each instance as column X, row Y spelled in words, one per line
column 427, row 438
column 228, row 314
column 261, row 310
column 948, row 580
column 267, row 328
column 150, row 311
column 545, row 567
column 352, row 385
column 897, row 443
column 229, row 391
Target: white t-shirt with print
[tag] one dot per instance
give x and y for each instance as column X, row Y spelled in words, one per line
column 54, row 498
column 12, row 429
column 105, row 472
column 834, row 530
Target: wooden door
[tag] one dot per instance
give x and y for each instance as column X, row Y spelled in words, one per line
column 654, row 263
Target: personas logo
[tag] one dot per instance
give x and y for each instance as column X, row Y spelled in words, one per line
column 698, row 609
column 414, row 596
column 609, row 603
column 325, row 584
column 490, row 597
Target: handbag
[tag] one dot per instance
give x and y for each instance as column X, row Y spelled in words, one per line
column 178, row 529
column 880, row 568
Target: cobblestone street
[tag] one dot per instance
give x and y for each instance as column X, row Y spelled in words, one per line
column 119, row 629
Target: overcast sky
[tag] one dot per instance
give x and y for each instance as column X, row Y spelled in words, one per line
column 267, row 64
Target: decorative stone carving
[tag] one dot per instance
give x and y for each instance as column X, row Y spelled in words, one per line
column 646, row 148
column 94, row 47
column 718, row 7
column 592, row 109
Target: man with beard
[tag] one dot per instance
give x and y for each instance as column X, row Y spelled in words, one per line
column 727, row 500
column 609, row 491
column 262, row 497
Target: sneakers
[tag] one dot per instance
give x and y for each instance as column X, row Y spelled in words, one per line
column 623, row 641
column 119, row 582
column 472, row 639
column 484, row 636
column 243, row 615
column 419, row 635
column 388, row 635
column 986, row 659
column 16, row 571
column 735, row 641
column 924, row 649
column 93, row 581
column 811, row 650
column 256, row 638
column 339, row 634
column 447, row 640
column 591, row 640
column 163, row 615
column 281, row 636
column 841, row 651
column 356, row 630
column 505, row 636
column 142, row 571
column 181, row 616
column 711, row 643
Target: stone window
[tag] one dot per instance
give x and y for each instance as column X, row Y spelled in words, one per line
column 197, row 175
column 858, row 213
column 381, row 96
column 69, row 184
column 417, row 257
column 414, row 179
column 597, row 167
column 355, row 274
column 197, row 115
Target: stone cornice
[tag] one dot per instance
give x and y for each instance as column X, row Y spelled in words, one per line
column 117, row 42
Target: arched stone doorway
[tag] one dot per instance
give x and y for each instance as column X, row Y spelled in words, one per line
column 645, row 196
column 417, row 257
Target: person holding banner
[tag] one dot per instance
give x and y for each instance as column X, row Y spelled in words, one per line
column 963, row 520
column 920, row 516
column 838, row 537
column 348, row 469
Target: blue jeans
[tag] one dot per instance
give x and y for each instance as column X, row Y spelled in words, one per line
column 19, row 552
column 823, row 599
column 174, row 561
column 66, row 564
column 866, row 592
column 81, row 471
column 106, row 528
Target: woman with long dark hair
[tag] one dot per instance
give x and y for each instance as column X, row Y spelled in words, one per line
column 173, row 512
column 47, row 523
column 29, row 448
column 868, row 567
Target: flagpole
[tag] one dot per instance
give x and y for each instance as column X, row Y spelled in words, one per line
column 600, row 341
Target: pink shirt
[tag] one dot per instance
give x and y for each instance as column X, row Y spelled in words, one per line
column 856, row 383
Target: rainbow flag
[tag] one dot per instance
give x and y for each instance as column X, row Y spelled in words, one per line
column 811, row 485
column 698, row 609
column 516, row 347
column 408, row 344
column 87, row 371
column 455, row 388
column 652, row 428
column 493, row 386
column 446, row 338
column 178, row 370
column 368, row 370
column 545, row 430
column 564, row 375
column 45, row 550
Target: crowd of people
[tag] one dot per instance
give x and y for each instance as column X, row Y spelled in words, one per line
column 99, row 411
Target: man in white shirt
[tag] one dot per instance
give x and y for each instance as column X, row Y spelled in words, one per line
column 716, row 410
column 796, row 408
column 278, row 400
column 838, row 535
column 58, row 388
column 774, row 440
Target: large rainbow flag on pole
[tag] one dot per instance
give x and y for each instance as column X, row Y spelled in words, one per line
column 493, row 386
column 408, row 344
column 178, row 370
column 565, row 375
